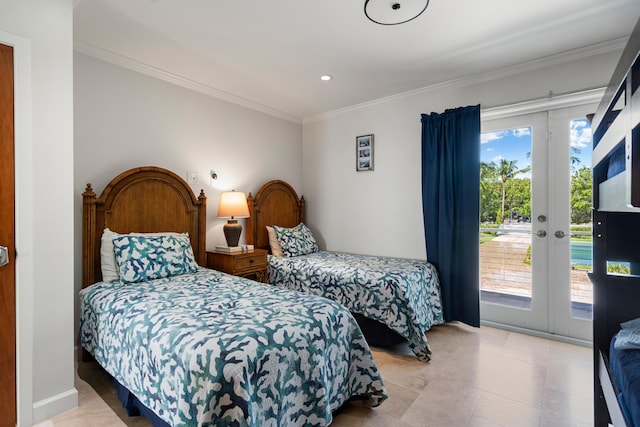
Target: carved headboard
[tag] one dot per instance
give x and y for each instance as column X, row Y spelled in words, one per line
column 145, row 199
column 276, row 203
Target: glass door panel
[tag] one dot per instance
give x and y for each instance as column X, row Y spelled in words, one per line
column 513, row 255
column 570, row 289
column 505, row 212
column 581, row 227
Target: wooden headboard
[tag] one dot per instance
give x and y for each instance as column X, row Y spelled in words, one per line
column 276, row 203
column 145, row 199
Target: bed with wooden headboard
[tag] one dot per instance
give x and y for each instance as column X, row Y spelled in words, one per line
column 392, row 299
column 145, row 199
column 187, row 345
column 276, row 203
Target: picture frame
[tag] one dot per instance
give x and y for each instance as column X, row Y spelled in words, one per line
column 364, row 153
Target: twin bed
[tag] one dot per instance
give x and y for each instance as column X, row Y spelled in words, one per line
column 186, row 345
column 393, row 299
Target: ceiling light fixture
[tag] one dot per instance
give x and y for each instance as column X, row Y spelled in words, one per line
column 384, row 12
column 326, row 77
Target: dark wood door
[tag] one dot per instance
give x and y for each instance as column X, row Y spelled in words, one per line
column 7, row 239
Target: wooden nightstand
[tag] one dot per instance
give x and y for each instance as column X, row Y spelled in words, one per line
column 252, row 264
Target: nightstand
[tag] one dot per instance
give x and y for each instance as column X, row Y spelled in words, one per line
column 252, row 265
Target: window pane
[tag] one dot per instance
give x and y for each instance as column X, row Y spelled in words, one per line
column 581, row 227
column 505, row 230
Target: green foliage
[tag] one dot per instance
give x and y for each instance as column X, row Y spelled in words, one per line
column 582, row 239
column 501, row 189
column 489, row 193
column 517, row 191
column 518, row 196
column 581, row 196
column 485, row 225
column 485, row 237
column 618, row 269
column 582, row 267
column 507, row 170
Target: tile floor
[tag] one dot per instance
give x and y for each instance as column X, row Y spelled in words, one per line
column 478, row 377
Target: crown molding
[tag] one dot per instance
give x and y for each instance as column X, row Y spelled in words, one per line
column 576, row 54
column 536, row 64
column 551, row 102
column 160, row 74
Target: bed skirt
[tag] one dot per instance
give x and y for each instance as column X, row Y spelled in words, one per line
column 134, row 407
column 376, row 333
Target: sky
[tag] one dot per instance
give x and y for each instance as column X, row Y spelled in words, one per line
column 514, row 144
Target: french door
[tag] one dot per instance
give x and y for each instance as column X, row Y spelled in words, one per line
column 531, row 274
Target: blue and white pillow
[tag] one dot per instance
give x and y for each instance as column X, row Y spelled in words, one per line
column 296, row 241
column 107, row 256
column 142, row 258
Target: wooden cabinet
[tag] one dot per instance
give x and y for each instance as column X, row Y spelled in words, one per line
column 616, row 222
column 252, row 264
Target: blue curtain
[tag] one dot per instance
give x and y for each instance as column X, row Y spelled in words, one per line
column 451, row 207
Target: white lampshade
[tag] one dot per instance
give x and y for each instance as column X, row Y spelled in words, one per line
column 233, row 204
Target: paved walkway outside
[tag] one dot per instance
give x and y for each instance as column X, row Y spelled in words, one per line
column 503, row 268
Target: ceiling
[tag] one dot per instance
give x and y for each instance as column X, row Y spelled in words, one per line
column 270, row 54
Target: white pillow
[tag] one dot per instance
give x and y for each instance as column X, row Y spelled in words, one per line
column 108, row 263
column 276, row 249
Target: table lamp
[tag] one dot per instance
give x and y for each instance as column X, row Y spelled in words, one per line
column 233, row 204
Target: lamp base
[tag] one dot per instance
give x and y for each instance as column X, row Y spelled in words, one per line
column 232, row 231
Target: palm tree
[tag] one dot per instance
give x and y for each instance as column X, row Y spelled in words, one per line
column 488, row 173
column 507, row 170
column 575, row 160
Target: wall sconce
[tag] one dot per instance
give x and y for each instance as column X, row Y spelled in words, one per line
column 233, row 204
column 212, row 177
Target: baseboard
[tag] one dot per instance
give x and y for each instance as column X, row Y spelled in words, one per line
column 539, row 334
column 55, row 405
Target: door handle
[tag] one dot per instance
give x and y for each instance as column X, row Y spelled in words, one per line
column 541, row 233
column 559, row 234
column 4, row 256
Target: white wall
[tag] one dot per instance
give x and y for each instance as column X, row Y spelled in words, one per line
column 41, row 33
column 380, row 212
column 125, row 119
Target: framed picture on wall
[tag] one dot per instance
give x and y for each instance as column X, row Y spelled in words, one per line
column 364, row 153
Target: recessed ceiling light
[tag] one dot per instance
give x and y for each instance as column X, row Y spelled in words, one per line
column 326, row 77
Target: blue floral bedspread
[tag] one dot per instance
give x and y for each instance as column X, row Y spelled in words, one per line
column 401, row 293
column 209, row 349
